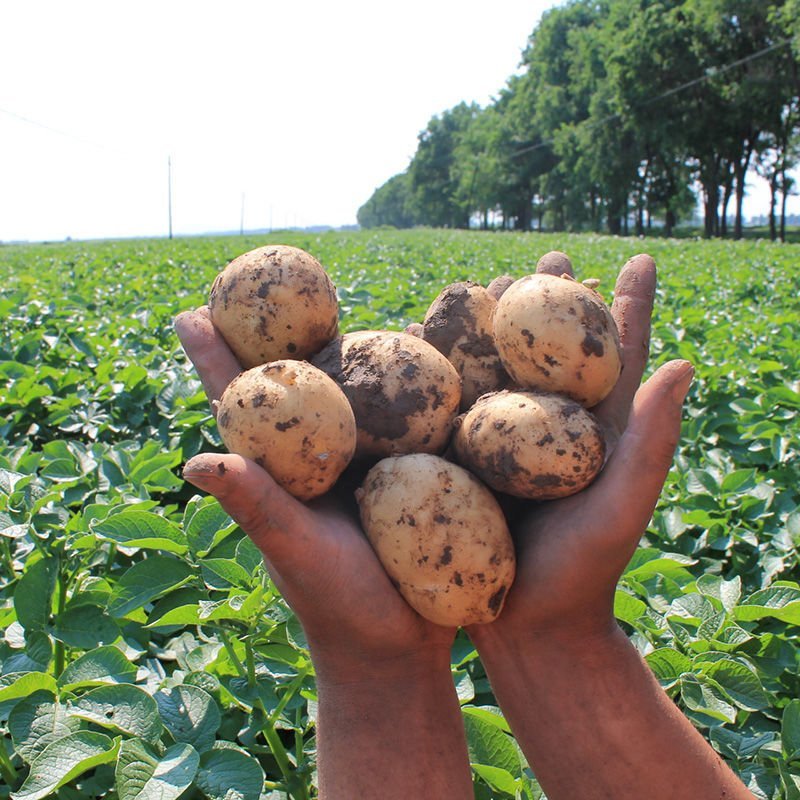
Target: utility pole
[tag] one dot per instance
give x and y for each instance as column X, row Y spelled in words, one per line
column 169, row 193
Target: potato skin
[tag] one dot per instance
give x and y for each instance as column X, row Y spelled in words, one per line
column 498, row 285
column 441, row 537
column 556, row 335
column 531, row 445
column 294, row 421
column 403, row 391
column 554, row 263
column 272, row 303
column 459, row 325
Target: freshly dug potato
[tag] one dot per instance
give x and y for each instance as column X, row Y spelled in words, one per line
column 441, row 537
column 403, row 391
column 499, row 285
column 557, row 335
column 459, row 325
column 294, row 421
column 538, row 446
column 272, row 303
column 414, row 328
column 554, row 263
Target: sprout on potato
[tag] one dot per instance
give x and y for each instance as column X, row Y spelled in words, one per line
column 441, row 537
column 294, row 421
column 556, row 335
column 537, row 446
column 272, row 303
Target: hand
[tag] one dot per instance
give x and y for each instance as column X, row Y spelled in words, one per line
column 316, row 553
column 571, row 552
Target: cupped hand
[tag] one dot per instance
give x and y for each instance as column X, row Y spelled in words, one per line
column 572, row 552
column 316, row 553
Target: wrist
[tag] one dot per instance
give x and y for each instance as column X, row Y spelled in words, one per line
column 342, row 668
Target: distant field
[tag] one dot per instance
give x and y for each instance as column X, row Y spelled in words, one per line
column 98, row 410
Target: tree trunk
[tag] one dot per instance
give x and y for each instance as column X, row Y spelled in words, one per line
column 711, row 210
column 741, row 168
column 784, row 198
column 773, row 199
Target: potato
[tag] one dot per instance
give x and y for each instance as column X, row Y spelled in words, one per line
column 556, row 335
column 441, row 537
column 459, row 325
column 554, row 263
column 272, row 303
column 498, row 285
column 294, row 421
column 403, row 391
column 538, row 446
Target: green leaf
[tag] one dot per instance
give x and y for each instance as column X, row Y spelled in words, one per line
column 147, row 580
column 224, row 573
column 497, row 778
column 668, row 665
column 489, row 744
column 739, row 683
column 84, row 627
column 65, row 759
column 38, row 720
column 727, row 592
column 206, row 524
column 628, row 608
column 790, row 730
column 22, row 684
column 141, row 775
column 703, row 696
column 229, row 774
column 102, row 665
column 33, row 596
column 781, row 601
column 123, row 708
column 190, row 714
column 142, row 529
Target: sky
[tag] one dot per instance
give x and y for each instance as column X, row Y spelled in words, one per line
column 295, row 111
column 271, row 114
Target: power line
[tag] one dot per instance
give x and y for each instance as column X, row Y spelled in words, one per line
column 711, row 72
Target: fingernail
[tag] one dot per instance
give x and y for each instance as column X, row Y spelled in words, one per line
column 683, row 380
column 205, row 473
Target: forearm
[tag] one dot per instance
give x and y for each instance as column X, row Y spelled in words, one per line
column 593, row 721
column 391, row 731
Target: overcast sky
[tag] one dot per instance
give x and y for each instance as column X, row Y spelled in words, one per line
column 294, row 111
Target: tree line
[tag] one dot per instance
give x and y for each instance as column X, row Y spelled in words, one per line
column 623, row 116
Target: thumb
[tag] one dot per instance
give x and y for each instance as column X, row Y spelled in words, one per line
column 279, row 525
column 631, row 482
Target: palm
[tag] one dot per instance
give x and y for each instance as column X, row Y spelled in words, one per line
column 572, row 551
column 316, row 553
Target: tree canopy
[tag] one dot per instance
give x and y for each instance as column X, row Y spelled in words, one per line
column 624, row 114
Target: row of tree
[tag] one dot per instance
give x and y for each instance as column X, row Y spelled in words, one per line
column 624, row 113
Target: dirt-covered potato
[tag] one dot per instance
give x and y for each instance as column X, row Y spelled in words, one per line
column 272, row 303
column 459, row 325
column 554, row 263
column 526, row 444
column 498, row 285
column 557, row 335
column 414, row 328
column 294, row 421
column 441, row 537
column 403, row 391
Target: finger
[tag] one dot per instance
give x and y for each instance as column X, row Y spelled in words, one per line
column 632, row 308
column 626, row 493
column 279, row 525
column 207, row 350
column 555, row 263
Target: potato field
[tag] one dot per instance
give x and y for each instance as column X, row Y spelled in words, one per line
column 144, row 652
